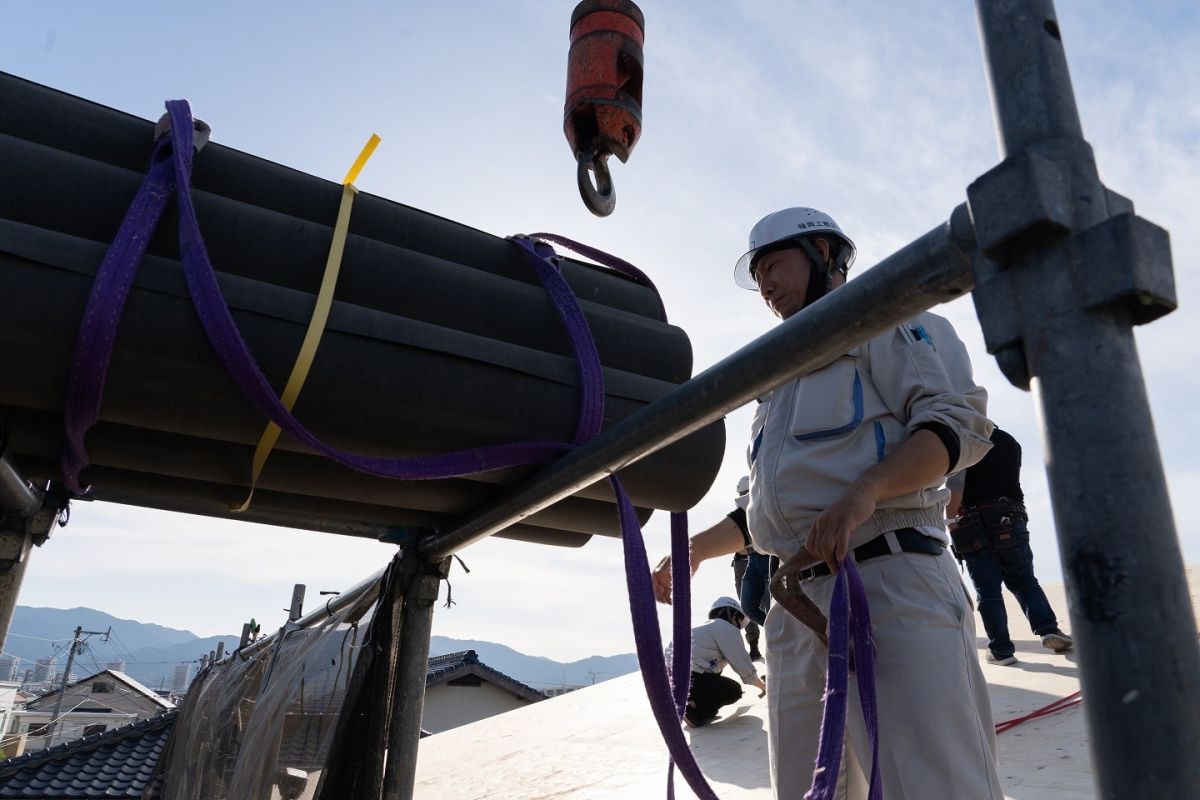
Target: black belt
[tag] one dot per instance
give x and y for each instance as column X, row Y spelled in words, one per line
column 910, row 540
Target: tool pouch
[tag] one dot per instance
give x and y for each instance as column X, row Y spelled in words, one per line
column 1000, row 521
column 988, row 527
column 969, row 537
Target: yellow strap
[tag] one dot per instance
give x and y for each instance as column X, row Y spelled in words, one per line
column 359, row 162
column 316, row 326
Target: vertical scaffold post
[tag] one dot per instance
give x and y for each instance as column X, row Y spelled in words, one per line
column 26, row 517
column 411, row 665
column 1069, row 271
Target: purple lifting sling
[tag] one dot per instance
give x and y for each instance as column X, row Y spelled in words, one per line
column 848, row 618
column 170, row 170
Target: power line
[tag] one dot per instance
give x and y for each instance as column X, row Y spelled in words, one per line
column 40, row 638
column 124, row 651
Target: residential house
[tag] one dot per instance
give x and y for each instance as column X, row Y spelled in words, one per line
column 9, row 695
column 459, row 689
column 99, row 702
column 121, row 762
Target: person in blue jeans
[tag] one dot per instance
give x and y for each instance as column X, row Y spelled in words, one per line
column 752, row 573
column 991, row 536
column 755, row 587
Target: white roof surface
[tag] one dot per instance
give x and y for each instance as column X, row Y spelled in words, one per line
column 602, row 742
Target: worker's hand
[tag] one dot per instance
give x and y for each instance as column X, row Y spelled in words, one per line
column 829, row 537
column 662, row 579
column 761, row 683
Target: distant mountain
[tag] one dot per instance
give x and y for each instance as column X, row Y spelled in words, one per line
column 151, row 651
column 60, row 623
column 538, row 671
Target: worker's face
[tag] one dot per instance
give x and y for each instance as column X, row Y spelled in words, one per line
column 782, row 278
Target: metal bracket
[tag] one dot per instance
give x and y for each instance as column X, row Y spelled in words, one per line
column 406, row 536
column 996, row 305
column 1139, row 276
column 427, row 592
column 53, row 512
column 1027, row 199
column 1123, row 262
column 1024, row 194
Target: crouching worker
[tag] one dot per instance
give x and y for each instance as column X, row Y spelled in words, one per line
column 714, row 644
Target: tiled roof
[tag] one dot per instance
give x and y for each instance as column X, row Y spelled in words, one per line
column 120, row 762
column 466, row 662
column 116, row 763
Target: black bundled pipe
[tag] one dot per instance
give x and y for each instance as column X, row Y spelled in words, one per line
column 422, row 354
column 73, row 125
column 87, row 199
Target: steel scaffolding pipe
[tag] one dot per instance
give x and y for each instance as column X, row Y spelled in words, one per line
column 19, row 502
column 1127, row 589
column 368, row 586
column 409, row 673
column 14, row 558
column 931, row 270
column 17, row 497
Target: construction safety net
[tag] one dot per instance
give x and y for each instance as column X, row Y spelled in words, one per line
column 270, row 720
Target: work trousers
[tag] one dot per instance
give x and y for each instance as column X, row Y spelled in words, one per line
column 709, row 692
column 755, row 596
column 740, row 562
column 937, row 740
column 1011, row 567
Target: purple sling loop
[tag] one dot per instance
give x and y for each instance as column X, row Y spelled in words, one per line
column 115, row 277
column 98, row 331
column 681, row 627
column 848, row 617
column 663, row 703
column 171, row 166
column 612, row 262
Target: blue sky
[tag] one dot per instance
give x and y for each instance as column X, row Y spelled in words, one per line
column 876, row 113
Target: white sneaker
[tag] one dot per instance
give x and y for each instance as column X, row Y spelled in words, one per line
column 1057, row 641
column 1000, row 661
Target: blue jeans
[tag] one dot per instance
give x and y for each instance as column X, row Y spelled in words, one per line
column 754, row 591
column 741, row 562
column 1013, row 568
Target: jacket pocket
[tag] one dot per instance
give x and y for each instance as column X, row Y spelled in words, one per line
column 828, row 402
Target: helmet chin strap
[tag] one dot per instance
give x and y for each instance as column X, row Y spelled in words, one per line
column 820, row 277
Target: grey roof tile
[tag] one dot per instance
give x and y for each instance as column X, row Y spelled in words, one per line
column 116, row 763
column 120, row 763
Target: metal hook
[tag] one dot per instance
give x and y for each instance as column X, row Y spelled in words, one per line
column 601, row 198
column 203, row 131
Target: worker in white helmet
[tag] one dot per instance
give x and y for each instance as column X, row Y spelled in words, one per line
column 852, row 458
column 715, row 644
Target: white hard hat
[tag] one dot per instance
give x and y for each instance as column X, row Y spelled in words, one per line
column 780, row 226
column 744, row 484
column 726, row 602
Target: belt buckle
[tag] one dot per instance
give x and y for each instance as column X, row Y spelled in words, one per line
column 811, row 573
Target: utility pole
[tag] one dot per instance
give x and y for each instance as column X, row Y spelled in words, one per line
column 76, row 645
